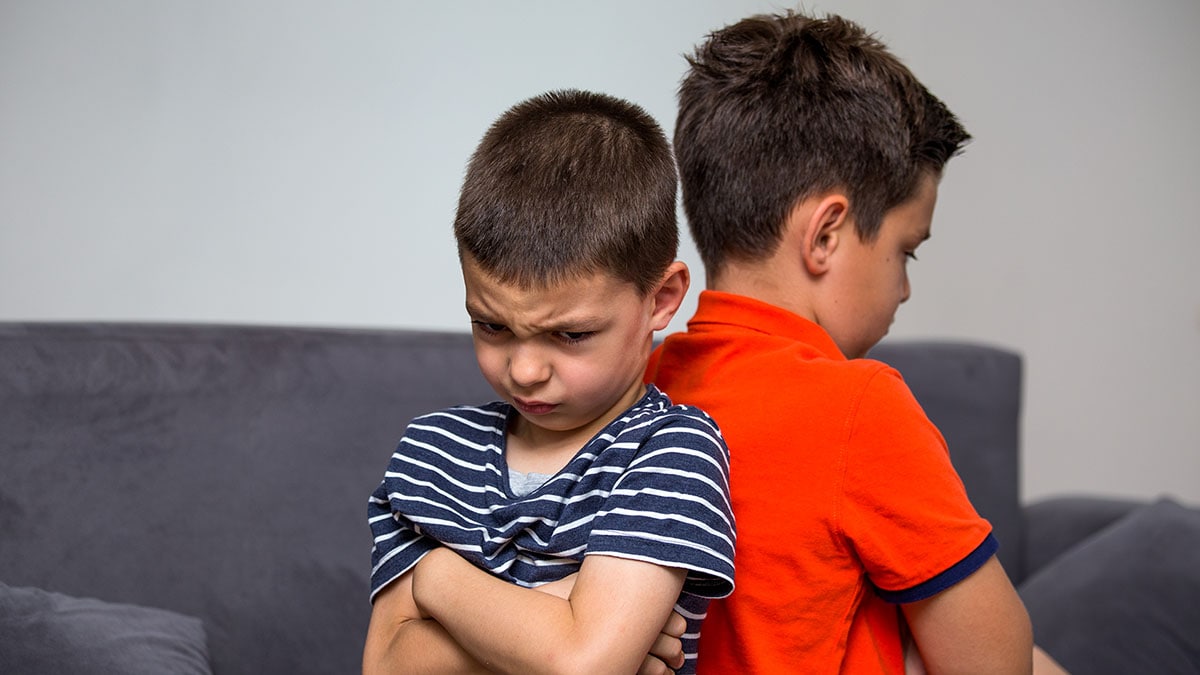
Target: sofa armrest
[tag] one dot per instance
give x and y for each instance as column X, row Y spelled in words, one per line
column 1123, row 599
column 1055, row 525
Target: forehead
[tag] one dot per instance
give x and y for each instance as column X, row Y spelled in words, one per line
column 591, row 295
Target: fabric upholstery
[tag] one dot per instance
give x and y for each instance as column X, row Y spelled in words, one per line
column 1126, row 599
column 43, row 632
column 222, row 472
column 1055, row 525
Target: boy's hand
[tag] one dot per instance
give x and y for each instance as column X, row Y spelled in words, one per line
column 666, row 654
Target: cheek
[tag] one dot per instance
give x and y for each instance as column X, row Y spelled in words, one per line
column 491, row 361
column 579, row 374
column 595, row 374
column 897, row 273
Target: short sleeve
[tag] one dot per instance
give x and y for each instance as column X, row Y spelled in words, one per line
column 671, row 506
column 396, row 546
column 904, row 509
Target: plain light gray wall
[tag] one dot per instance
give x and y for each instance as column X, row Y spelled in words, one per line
column 298, row 163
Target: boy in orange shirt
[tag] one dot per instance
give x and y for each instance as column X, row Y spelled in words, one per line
column 810, row 159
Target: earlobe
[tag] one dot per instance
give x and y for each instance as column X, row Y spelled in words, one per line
column 669, row 295
column 824, row 227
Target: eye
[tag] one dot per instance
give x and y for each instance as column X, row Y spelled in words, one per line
column 574, row 337
column 488, row 328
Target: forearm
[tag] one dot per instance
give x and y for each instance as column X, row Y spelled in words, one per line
column 596, row 631
column 420, row 647
column 464, row 600
column 399, row 641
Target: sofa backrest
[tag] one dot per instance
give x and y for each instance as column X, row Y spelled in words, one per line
column 223, row 471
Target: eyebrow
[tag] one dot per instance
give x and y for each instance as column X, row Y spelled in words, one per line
column 578, row 324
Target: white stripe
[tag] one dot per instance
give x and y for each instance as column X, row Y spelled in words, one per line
column 682, row 543
column 524, row 521
column 676, row 517
column 488, row 447
column 694, row 477
column 682, row 611
column 723, row 469
column 465, row 487
column 704, row 502
column 391, row 554
column 487, row 428
column 474, row 466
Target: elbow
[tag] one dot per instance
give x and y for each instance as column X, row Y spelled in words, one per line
column 383, row 654
column 1025, row 640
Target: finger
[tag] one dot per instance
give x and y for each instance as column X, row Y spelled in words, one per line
column 668, row 649
column 653, row 666
column 676, row 625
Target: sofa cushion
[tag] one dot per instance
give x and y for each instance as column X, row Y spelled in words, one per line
column 45, row 632
column 1127, row 599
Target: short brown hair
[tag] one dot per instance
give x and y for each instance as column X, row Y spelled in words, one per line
column 778, row 108
column 570, row 183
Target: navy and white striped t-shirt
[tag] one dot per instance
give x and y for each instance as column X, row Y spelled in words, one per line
column 653, row 485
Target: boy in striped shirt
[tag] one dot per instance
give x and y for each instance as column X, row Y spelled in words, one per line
column 569, row 525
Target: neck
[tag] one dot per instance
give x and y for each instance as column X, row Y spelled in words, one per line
column 770, row 281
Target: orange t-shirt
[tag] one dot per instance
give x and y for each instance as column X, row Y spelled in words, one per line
column 845, row 499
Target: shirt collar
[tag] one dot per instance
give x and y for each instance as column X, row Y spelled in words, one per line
column 718, row 308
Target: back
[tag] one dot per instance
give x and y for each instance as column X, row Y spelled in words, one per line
column 844, row 495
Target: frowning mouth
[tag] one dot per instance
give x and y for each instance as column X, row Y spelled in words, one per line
column 533, row 407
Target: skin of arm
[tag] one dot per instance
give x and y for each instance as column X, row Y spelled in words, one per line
column 977, row 626
column 613, row 617
column 667, row 653
column 400, row 641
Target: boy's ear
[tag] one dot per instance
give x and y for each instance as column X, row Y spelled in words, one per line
column 668, row 296
column 823, row 224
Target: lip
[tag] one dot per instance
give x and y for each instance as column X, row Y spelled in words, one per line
column 533, row 407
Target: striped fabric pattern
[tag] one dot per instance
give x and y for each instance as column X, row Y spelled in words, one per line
column 652, row 486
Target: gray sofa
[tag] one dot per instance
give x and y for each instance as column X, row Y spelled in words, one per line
column 180, row 497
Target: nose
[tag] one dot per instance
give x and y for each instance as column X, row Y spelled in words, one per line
column 527, row 366
column 907, row 293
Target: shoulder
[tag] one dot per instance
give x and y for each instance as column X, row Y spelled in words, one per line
column 660, row 437
column 883, row 393
column 458, row 431
column 838, row 382
column 657, row 414
column 783, row 366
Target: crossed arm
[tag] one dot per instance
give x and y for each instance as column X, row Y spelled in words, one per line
column 447, row 616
